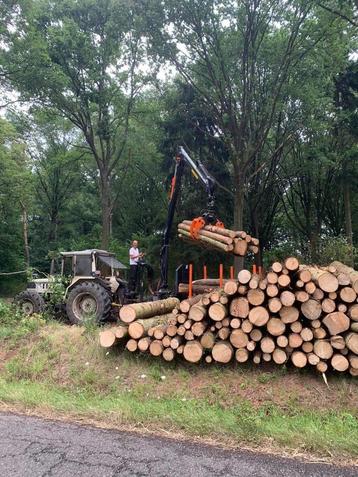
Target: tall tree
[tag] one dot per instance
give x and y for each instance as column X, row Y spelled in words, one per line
column 240, row 57
column 80, row 58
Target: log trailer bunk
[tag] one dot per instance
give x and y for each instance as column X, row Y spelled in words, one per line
column 207, row 217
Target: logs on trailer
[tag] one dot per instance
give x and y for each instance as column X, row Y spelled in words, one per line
column 297, row 314
column 218, row 238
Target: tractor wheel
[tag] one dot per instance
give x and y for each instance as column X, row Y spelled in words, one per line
column 30, row 302
column 88, row 301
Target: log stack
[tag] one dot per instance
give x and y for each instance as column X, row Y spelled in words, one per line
column 298, row 314
column 218, row 238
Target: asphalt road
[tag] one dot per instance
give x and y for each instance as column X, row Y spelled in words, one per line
column 37, row 448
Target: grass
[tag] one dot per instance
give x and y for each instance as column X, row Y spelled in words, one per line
column 316, row 432
column 55, row 369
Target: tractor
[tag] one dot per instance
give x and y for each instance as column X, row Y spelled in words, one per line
column 93, row 287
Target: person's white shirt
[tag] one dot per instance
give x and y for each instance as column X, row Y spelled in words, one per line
column 133, row 252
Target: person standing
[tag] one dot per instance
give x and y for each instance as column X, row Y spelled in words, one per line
column 134, row 256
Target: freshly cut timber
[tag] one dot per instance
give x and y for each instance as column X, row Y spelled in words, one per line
column 311, row 309
column 259, row 316
column 352, row 342
column 339, row 362
column 129, row 313
column 353, row 274
column 239, row 339
column 292, row 313
column 222, row 352
column 323, row 349
column 139, row 328
column 107, row 338
column 299, row 359
column 193, row 351
column 336, row 322
column 325, row 280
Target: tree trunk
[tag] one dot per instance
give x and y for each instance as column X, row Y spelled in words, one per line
column 25, row 234
column 239, row 200
column 348, row 218
column 106, row 205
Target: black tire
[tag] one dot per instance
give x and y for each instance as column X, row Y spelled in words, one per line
column 88, row 301
column 30, row 302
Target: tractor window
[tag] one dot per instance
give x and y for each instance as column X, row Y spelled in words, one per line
column 67, row 269
column 83, row 265
column 104, row 268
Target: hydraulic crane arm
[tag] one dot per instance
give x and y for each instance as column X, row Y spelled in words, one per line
column 208, row 215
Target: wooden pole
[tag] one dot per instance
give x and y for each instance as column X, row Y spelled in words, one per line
column 205, row 272
column 190, row 294
column 231, row 272
column 221, row 275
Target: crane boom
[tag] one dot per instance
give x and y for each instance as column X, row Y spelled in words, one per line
column 200, row 172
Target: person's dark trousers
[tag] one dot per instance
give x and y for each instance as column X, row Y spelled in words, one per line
column 133, row 275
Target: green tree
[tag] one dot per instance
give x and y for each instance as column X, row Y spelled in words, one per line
column 80, row 58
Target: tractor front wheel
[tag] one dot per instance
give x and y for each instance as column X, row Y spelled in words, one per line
column 30, row 302
column 88, row 301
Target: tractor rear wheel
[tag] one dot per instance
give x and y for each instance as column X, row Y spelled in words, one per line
column 30, row 302
column 88, row 301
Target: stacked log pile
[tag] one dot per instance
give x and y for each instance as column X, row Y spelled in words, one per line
column 230, row 241
column 305, row 315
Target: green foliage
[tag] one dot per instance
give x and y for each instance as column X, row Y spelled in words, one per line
column 14, row 325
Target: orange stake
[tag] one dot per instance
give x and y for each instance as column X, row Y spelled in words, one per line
column 205, row 272
column 221, row 275
column 254, row 268
column 231, row 272
column 190, row 280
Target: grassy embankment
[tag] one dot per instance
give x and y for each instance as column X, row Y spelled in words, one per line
column 59, row 371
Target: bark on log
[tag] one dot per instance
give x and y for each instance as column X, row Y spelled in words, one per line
column 203, row 240
column 129, row 313
column 197, row 313
column 186, row 304
column 325, row 280
column 139, row 328
column 353, row 274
